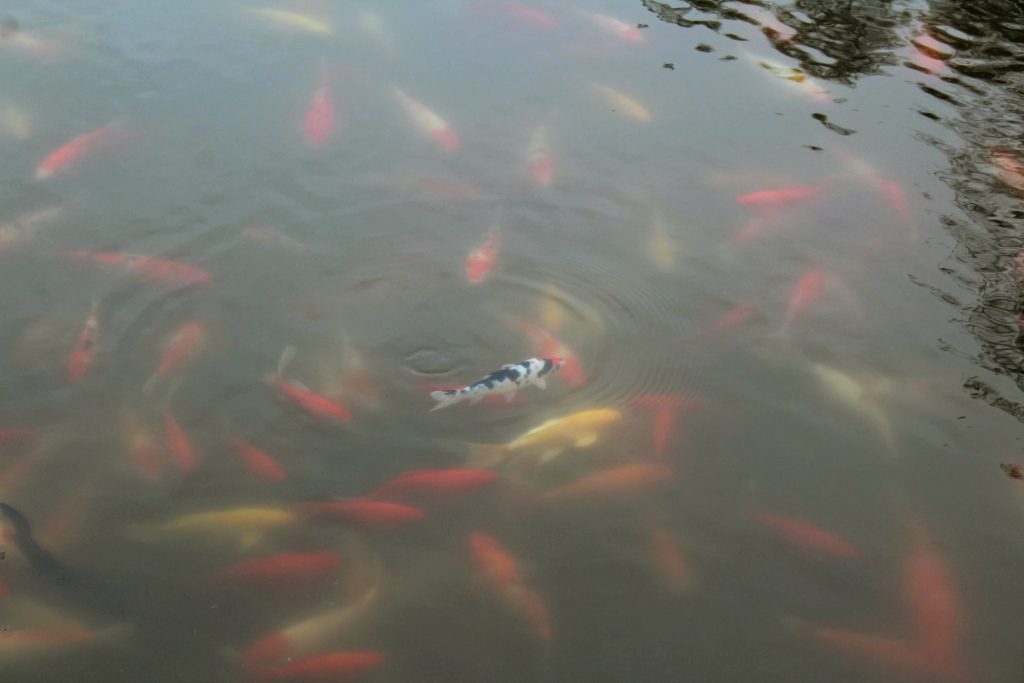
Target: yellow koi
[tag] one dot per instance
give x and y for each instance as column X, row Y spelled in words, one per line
column 552, row 438
column 291, row 19
column 249, row 523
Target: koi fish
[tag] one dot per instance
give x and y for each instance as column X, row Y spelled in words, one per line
column 83, row 353
column 618, row 481
column 258, row 462
column 183, row 345
column 429, row 122
column 855, row 395
column 318, row 123
column 933, row 601
column 67, row 155
column 377, row 515
column 433, row 483
column 795, row 77
column 506, row 380
column 179, row 446
column 263, row 234
column 661, row 248
column 551, row 438
column 24, row 228
column 668, row 560
column 805, row 293
column 282, row 569
column 16, row 122
column 730, row 320
column 879, row 650
column 805, row 535
column 540, row 161
column 482, row 259
column 619, row 102
column 1011, row 168
column 547, row 345
column 334, row 666
column 780, row 197
column 307, row 636
column 245, row 524
column 615, row 26
column 148, row 267
column 503, row 571
column 303, row 22
column 314, row 405
column 528, row 14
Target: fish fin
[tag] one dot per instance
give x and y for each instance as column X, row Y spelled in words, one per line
column 541, row 383
column 287, row 355
column 584, row 440
column 444, row 399
column 486, row 454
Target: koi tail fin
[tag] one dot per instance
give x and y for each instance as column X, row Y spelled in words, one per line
column 444, row 398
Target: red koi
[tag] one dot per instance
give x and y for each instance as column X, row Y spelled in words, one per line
column 147, row 267
column 932, row 600
column 15, row 433
column 377, row 515
column 482, row 258
column 805, row 293
column 436, row 482
column 780, row 197
column 180, row 347
column 258, row 462
column 730, row 320
column 312, row 404
column 282, row 569
column 330, row 668
column 179, row 446
column 83, row 353
column 528, row 14
column 625, row 480
column 68, row 154
column 805, row 535
column 494, row 561
column 318, row 123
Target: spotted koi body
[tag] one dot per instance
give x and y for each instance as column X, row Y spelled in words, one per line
column 506, row 380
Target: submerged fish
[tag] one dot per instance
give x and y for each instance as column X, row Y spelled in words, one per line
column 24, row 228
column 855, row 396
column 540, row 161
column 550, row 439
column 625, row 104
column 333, row 666
column 246, row 524
column 435, row 483
column 83, row 353
column 281, row 570
column 661, row 248
column 318, row 122
column 506, row 380
column 618, row 481
column 366, row 513
column 69, row 153
column 805, row 535
column 428, row 122
column 262, row 234
column 505, row 574
column 181, row 346
column 310, row 403
column 292, row 19
column 258, row 462
column 148, row 267
column 484, row 256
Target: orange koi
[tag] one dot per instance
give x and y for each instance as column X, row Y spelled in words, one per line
column 805, row 535
column 805, row 293
column 318, row 123
column 258, row 462
column 147, row 267
column 377, row 515
column 783, row 196
column 505, row 574
column 528, row 14
column 284, row 569
column 483, row 257
column 615, row 26
column 334, row 667
column 730, row 320
column 436, row 483
column 68, row 154
column 314, row 405
column 182, row 346
column 179, row 446
column 83, row 353
column 932, row 600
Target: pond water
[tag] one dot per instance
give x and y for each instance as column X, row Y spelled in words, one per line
column 773, row 253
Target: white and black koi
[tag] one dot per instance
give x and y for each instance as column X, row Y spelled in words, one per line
column 506, row 380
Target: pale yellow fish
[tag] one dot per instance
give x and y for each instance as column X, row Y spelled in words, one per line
column 246, row 524
column 16, row 122
column 552, row 313
column 856, row 396
column 796, row 78
column 660, row 246
column 623, row 104
column 552, row 438
column 291, row 19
